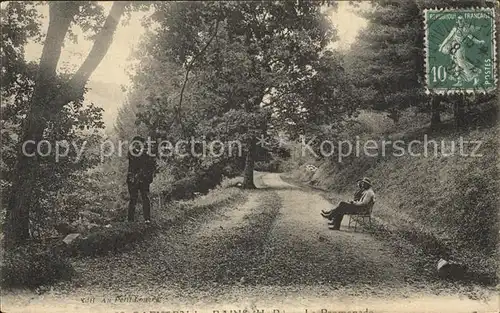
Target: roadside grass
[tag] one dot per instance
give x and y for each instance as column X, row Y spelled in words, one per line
column 120, row 235
column 247, row 244
column 32, row 265
column 236, row 250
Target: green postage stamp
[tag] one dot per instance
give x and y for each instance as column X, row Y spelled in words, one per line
column 460, row 50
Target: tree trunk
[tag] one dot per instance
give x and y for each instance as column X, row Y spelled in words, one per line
column 394, row 115
column 251, row 106
column 435, row 112
column 21, row 193
column 497, row 30
column 45, row 101
column 459, row 112
column 249, row 165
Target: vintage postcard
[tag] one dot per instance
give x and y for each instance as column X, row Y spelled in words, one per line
column 249, row 156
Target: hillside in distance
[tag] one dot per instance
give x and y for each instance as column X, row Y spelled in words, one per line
column 108, row 96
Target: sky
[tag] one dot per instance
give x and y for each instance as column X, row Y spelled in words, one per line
column 112, row 67
column 347, row 23
column 106, row 81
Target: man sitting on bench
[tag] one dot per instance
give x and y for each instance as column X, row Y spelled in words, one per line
column 355, row 207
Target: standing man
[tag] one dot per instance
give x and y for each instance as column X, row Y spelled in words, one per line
column 141, row 168
column 337, row 214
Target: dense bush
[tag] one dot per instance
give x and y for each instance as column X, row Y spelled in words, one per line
column 89, row 199
column 268, row 166
column 196, row 181
column 33, row 266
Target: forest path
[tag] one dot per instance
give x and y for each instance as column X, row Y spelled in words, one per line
column 273, row 251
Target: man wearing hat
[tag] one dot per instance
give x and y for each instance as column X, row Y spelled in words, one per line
column 357, row 206
column 141, row 168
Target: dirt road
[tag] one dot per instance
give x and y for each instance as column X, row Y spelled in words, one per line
column 302, row 250
column 273, row 251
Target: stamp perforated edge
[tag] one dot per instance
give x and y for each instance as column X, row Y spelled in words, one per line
column 444, row 91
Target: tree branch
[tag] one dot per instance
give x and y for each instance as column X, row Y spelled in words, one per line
column 61, row 14
column 186, row 76
column 104, row 38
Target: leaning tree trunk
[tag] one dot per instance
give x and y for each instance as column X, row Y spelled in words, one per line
column 249, row 165
column 47, row 100
column 459, row 112
column 251, row 106
column 21, row 195
column 497, row 21
column 435, row 112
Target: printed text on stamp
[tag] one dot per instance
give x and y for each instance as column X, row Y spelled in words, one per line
column 460, row 50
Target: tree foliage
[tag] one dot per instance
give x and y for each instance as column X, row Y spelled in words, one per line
column 386, row 62
column 252, row 66
column 44, row 105
column 20, row 23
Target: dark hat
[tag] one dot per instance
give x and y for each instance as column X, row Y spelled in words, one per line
column 366, row 181
column 138, row 138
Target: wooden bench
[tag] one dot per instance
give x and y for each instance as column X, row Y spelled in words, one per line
column 361, row 216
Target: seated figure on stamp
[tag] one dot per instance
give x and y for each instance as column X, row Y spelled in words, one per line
column 455, row 46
